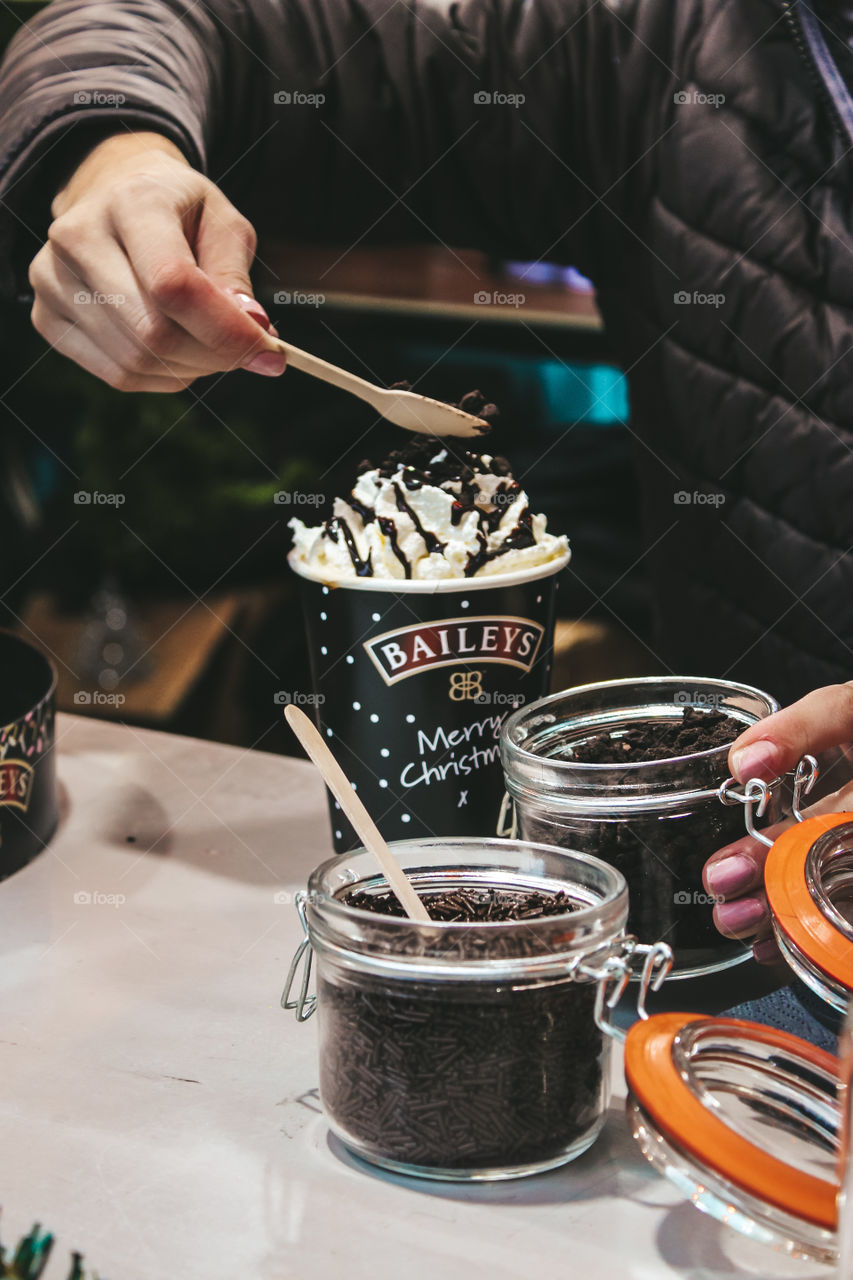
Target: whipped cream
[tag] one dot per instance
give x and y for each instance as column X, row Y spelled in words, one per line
column 430, row 511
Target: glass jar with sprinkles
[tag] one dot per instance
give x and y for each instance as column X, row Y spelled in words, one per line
column 469, row 1048
column 636, row 773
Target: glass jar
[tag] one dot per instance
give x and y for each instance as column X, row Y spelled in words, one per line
column 465, row 1051
column 745, row 1120
column 845, row 1199
column 752, row 1122
column 655, row 821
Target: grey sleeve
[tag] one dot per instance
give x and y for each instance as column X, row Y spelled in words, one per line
column 82, row 70
column 472, row 122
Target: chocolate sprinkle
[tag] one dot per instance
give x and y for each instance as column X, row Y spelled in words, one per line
column 660, row 853
column 469, row 906
column 461, row 1075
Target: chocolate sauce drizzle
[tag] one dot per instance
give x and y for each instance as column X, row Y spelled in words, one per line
column 368, row 515
column 443, row 464
column 431, row 542
column 521, row 536
column 389, row 528
column 363, row 568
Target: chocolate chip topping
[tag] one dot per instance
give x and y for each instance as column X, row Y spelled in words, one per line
column 444, row 464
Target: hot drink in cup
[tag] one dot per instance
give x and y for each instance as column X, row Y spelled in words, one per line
column 429, row 599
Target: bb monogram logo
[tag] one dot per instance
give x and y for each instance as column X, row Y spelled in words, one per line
column 466, row 686
column 411, row 650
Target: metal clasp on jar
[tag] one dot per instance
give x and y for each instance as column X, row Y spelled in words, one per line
column 756, row 795
column 615, row 971
column 612, row 971
column 304, row 1005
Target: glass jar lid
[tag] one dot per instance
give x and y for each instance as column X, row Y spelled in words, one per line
column 745, row 1119
column 808, row 878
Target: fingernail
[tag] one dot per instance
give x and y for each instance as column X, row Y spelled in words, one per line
column 730, row 875
column 269, row 363
column 253, row 308
column 758, row 760
column 743, row 916
column 767, row 951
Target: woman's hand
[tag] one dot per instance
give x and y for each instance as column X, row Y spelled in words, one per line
column 144, row 279
column 818, row 722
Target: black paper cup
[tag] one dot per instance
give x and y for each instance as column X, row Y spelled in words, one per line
column 412, row 683
column 28, row 794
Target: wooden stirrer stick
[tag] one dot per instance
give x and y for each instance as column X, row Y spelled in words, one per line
column 364, row 826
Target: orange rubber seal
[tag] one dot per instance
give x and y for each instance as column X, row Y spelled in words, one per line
column 793, row 907
column 682, row 1117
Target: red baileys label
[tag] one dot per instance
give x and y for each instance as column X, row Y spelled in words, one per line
column 16, row 784
column 411, row 650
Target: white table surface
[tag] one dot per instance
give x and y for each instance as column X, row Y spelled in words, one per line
column 159, row 1110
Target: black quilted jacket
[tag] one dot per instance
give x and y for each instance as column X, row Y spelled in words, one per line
column 694, row 157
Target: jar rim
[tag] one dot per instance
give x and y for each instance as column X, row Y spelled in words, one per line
column 628, row 768
column 578, row 916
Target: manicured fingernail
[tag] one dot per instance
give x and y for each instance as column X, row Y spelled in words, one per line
column 767, row 951
column 730, row 875
column 269, row 363
column 743, row 916
column 758, row 760
column 253, row 308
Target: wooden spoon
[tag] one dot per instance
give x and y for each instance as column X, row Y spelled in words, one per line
column 403, row 408
column 365, row 828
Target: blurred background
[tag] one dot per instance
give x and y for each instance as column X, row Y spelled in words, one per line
column 145, row 538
